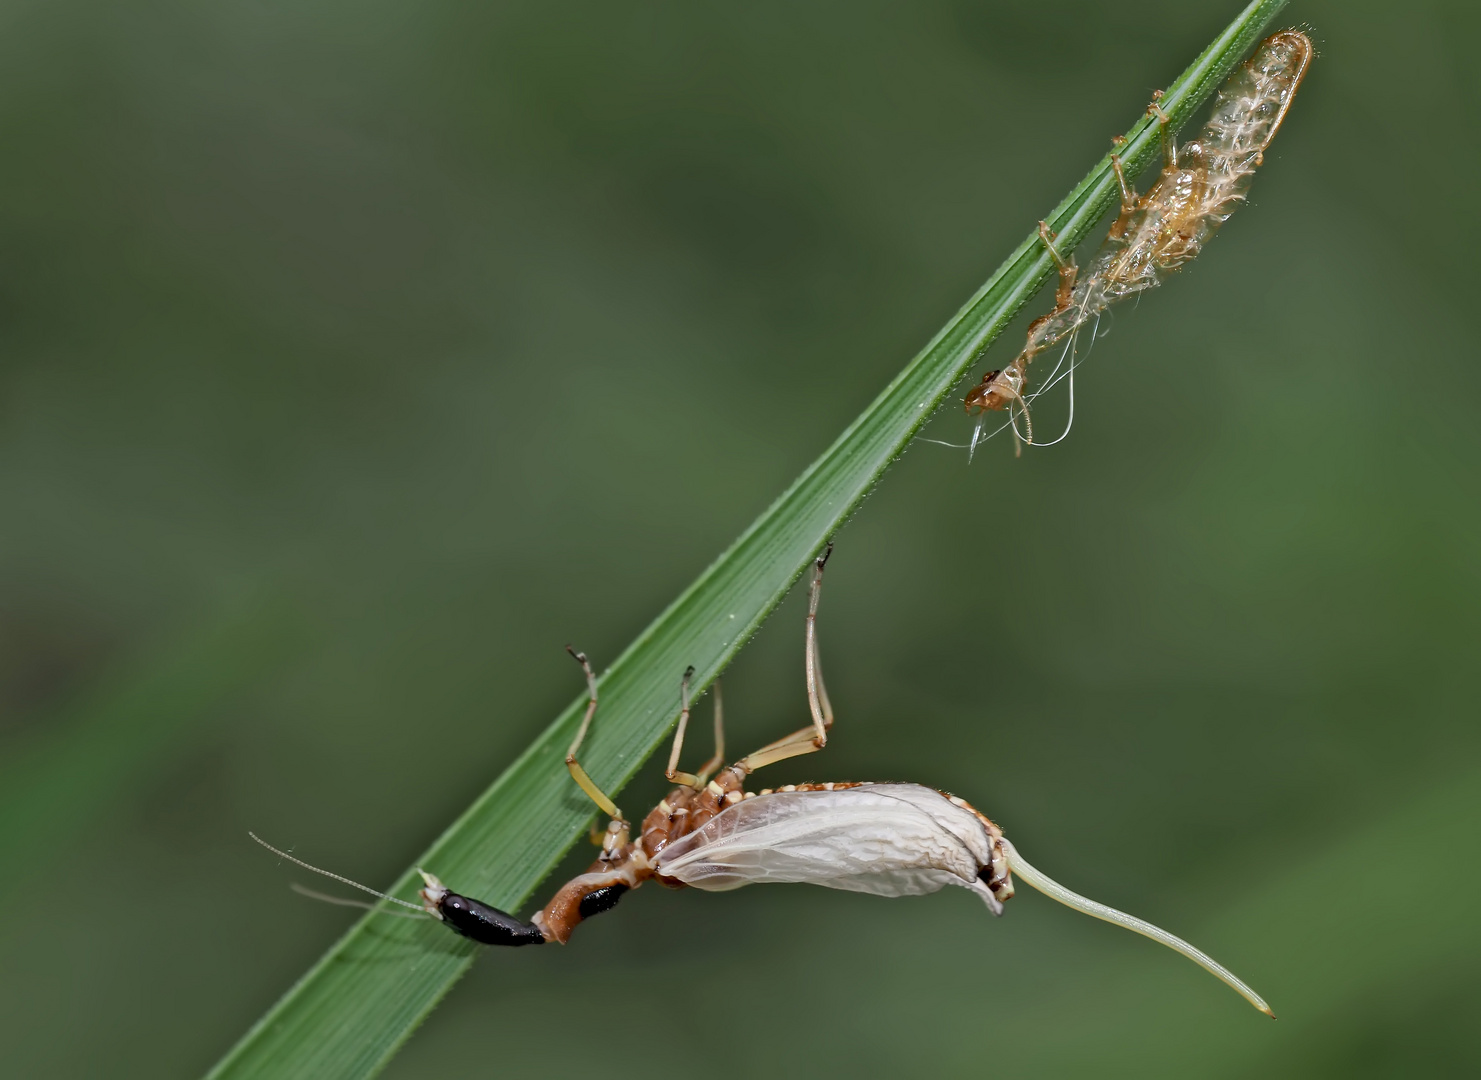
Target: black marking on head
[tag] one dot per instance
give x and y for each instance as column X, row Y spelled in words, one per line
column 486, row 925
column 600, row 900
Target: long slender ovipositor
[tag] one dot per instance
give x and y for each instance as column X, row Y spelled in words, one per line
column 709, row 832
column 1202, row 183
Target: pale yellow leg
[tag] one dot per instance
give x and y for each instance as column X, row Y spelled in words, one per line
column 718, row 757
column 802, row 741
column 583, row 781
column 672, row 772
column 1048, row 238
column 1164, row 129
column 1128, row 193
column 699, row 779
column 817, row 693
column 815, row 736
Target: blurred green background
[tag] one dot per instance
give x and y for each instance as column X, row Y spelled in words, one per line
column 356, row 357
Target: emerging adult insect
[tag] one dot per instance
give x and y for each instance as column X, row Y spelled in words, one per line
column 889, row 839
column 1202, row 183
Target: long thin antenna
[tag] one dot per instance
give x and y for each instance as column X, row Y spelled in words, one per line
column 345, row 901
column 336, row 877
column 1054, row 890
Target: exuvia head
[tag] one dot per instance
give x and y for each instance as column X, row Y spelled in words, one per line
column 984, row 395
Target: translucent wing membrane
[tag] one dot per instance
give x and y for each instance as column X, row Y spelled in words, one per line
column 885, row 839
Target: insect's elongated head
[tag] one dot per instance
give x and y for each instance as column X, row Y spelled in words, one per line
column 475, row 920
column 982, row 393
column 997, row 390
column 1055, row 890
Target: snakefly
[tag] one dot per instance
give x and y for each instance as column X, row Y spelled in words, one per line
column 709, row 832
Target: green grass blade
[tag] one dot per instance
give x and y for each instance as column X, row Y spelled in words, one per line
column 350, row 1012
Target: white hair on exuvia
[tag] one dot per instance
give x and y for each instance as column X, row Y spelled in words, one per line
column 1161, row 230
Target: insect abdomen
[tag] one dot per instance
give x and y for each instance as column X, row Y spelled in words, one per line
column 1251, row 103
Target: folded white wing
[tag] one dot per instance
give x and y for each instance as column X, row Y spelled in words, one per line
column 886, row 839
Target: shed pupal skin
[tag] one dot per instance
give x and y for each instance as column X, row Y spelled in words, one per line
column 1202, row 183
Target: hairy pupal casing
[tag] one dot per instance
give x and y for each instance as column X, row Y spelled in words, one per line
column 1193, row 197
column 885, row 839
